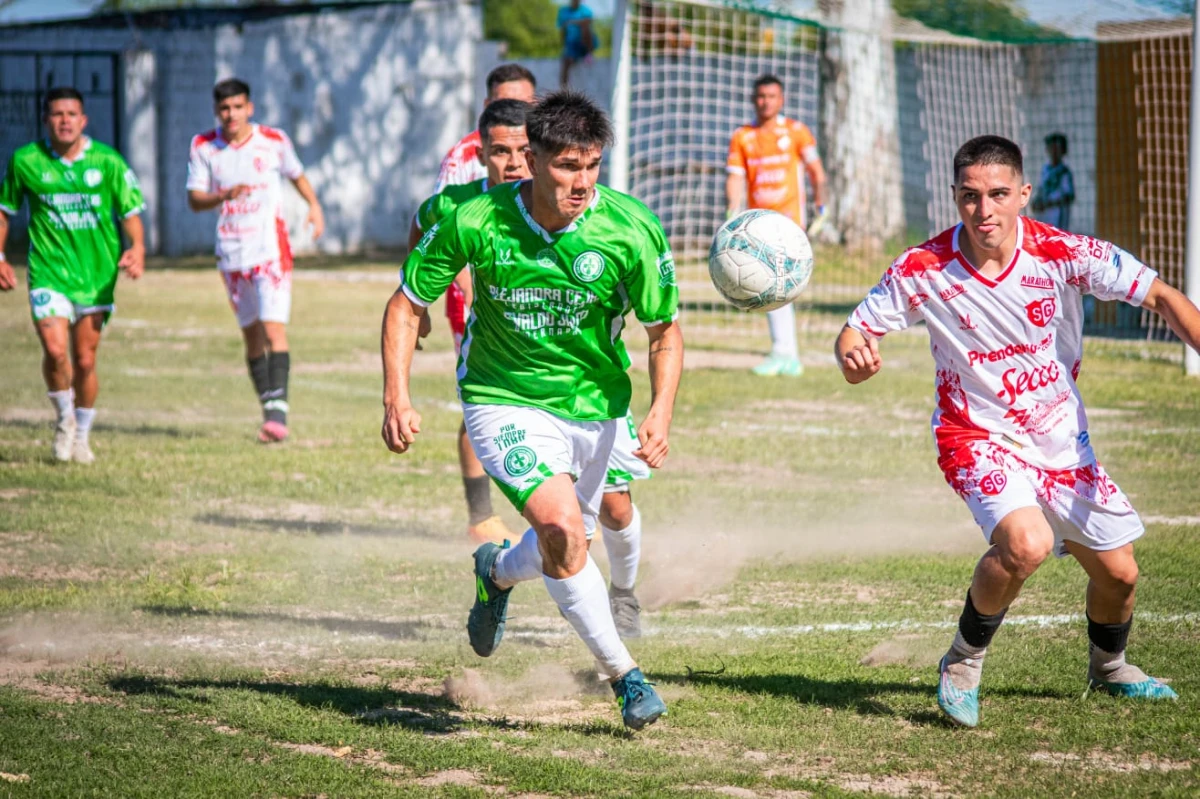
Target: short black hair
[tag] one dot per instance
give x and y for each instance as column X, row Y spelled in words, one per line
column 503, row 114
column 567, row 120
column 986, row 151
column 1060, row 138
column 507, row 73
column 230, row 87
column 767, row 80
column 60, row 93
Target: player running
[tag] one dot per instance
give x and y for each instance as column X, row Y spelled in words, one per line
column 554, row 260
column 239, row 167
column 1001, row 297
column 768, row 156
column 74, row 185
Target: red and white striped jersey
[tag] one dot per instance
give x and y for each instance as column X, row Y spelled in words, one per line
column 461, row 164
column 1007, row 350
column 250, row 229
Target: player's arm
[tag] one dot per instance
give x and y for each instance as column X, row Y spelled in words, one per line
column 208, row 200
column 133, row 260
column 1180, row 314
column 11, row 197
column 735, row 179
column 666, row 368
column 401, row 327
column 816, row 176
column 857, row 355
column 316, row 217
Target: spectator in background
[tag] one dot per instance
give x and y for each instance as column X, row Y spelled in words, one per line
column 578, row 38
column 1056, row 190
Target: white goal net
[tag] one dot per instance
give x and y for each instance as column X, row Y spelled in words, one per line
column 889, row 102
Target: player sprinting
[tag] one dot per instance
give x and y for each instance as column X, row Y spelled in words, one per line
column 769, row 157
column 74, row 185
column 238, row 167
column 1001, row 297
column 505, row 142
column 554, row 260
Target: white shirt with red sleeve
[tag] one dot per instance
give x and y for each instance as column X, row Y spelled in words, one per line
column 1007, row 350
column 461, row 164
column 250, row 229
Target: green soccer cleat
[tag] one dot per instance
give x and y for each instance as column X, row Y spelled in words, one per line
column 778, row 366
column 1150, row 688
column 640, row 704
column 961, row 706
column 485, row 625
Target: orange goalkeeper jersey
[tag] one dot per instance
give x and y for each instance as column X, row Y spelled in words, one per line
column 772, row 157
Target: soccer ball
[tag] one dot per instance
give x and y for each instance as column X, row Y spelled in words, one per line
column 760, row 260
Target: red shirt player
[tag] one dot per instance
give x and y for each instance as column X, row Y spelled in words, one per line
column 1001, row 296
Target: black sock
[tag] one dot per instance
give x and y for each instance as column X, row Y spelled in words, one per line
column 479, row 498
column 259, row 375
column 1110, row 638
column 977, row 629
column 276, row 405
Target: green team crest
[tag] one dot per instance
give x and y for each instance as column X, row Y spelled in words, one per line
column 589, row 266
column 547, row 259
column 519, row 461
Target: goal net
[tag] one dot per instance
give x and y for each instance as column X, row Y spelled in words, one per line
column 889, row 102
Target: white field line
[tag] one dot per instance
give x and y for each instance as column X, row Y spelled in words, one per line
column 756, row 631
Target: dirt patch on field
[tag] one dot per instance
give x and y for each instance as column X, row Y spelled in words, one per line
column 561, row 695
column 738, row 792
column 907, row 650
column 451, row 777
column 1103, row 760
column 8, row 494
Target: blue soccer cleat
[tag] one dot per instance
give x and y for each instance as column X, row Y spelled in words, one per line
column 961, row 706
column 485, row 625
column 1150, row 688
column 640, row 704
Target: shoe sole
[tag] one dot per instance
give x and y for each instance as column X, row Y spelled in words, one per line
column 646, row 722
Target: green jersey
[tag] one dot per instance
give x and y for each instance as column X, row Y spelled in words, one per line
column 545, row 326
column 441, row 205
column 73, row 243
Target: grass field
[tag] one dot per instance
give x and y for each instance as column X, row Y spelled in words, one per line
column 197, row 615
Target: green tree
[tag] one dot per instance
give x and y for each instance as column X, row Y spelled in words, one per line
column 995, row 20
column 527, row 25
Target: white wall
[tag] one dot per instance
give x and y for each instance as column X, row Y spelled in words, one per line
column 373, row 98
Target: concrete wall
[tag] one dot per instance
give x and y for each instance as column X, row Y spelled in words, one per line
column 372, row 97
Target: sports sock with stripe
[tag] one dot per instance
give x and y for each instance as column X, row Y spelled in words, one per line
column 276, row 405
column 1106, row 653
column 260, row 376
column 964, row 661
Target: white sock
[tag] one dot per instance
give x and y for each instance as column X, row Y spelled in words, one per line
column 782, row 324
column 64, row 402
column 519, row 564
column 583, row 599
column 624, row 550
column 83, row 423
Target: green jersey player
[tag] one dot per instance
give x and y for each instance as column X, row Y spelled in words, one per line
column 74, row 185
column 503, row 147
column 554, row 261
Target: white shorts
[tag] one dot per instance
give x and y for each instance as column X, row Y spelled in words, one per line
column 1082, row 504
column 261, row 294
column 623, row 466
column 521, row 448
column 47, row 303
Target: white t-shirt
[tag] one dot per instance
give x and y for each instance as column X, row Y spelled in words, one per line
column 250, row 229
column 1007, row 351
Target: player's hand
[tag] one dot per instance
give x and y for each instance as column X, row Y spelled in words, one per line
column 233, row 192
column 862, row 361
column 652, row 435
column 401, row 423
column 133, row 261
column 8, row 278
column 818, row 222
column 316, row 220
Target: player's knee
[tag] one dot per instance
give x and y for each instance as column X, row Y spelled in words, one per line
column 1024, row 551
column 85, row 361
column 616, row 513
column 56, row 354
column 564, row 543
column 1122, row 577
